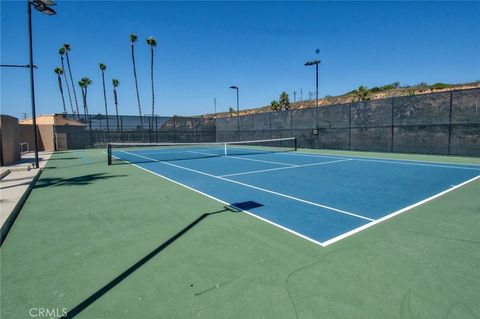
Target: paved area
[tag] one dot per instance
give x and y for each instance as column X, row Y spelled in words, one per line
column 99, row 241
column 15, row 183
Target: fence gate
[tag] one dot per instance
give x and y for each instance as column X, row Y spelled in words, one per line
column 61, row 141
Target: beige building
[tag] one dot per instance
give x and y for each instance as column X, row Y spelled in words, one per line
column 52, row 132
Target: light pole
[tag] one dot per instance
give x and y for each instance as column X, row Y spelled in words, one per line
column 238, row 110
column 44, row 7
column 316, row 63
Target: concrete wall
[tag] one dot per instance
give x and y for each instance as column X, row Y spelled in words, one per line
column 45, row 135
column 10, row 147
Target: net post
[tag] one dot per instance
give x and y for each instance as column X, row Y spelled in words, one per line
column 295, row 142
column 225, row 148
column 109, row 153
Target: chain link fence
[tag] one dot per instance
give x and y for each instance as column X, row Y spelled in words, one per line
column 437, row 123
column 98, row 130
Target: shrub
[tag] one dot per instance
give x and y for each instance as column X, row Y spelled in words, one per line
column 439, row 86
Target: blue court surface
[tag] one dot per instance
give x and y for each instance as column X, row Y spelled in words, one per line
column 318, row 197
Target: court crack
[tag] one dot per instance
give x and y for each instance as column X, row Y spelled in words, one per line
column 323, row 259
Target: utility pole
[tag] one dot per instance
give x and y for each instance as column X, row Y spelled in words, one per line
column 301, row 94
column 294, row 96
column 215, row 105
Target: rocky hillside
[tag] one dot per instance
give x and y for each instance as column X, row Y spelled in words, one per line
column 364, row 93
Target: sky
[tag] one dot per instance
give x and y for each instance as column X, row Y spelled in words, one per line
column 261, row 47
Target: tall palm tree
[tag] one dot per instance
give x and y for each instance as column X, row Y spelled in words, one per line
column 103, row 67
column 66, row 46
column 59, row 72
column 152, row 43
column 115, row 83
column 84, row 83
column 133, row 39
column 61, row 51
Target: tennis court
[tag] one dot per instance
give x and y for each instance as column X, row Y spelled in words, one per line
column 322, row 198
column 98, row 241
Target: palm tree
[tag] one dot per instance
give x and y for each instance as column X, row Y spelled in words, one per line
column 84, row 83
column 115, row 83
column 66, row 46
column 103, row 67
column 152, row 43
column 61, row 51
column 59, row 71
column 133, row 39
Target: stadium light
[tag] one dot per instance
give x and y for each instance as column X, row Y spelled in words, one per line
column 42, row 6
column 238, row 110
column 316, row 63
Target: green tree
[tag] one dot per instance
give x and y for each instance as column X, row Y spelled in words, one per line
column 231, row 110
column 115, row 84
column 275, row 106
column 61, row 51
column 59, row 71
column 362, row 94
column 103, row 67
column 133, row 39
column 66, row 46
column 284, row 101
column 152, row 43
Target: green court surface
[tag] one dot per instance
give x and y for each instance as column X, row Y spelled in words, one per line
column 116, row 241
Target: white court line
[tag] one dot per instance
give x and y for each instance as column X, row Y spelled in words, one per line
column 356, row 230
column 389, row 161
column 257, row 160
column 257, row 188
column 225, row 203
column 243, row 159
column 280, row 168
column 203, row 153
column 240, row 158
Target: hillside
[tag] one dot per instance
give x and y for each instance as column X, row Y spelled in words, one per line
column 363, row 93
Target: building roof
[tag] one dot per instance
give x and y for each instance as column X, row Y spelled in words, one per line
column 53, row 119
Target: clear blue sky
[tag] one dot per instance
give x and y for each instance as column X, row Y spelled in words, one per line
column 205, row 47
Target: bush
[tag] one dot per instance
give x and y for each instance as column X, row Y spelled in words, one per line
column 439, row 86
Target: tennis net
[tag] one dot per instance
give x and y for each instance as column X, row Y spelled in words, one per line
column 150, row 152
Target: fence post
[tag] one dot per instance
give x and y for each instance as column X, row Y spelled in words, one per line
column 270, row 123
column 392, row 124
column 121, row 128
column 225, row 130
column 174, row 137
column 253, row 126
column 195, row 120
column 252, row 137
column 450, row 124
column 349, row 126
column 90, row 126
column 156, row 129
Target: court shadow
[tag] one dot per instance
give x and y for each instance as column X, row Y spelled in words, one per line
column 63, row 158
column 74, row 181
column 248, row 205
column 103, row 290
